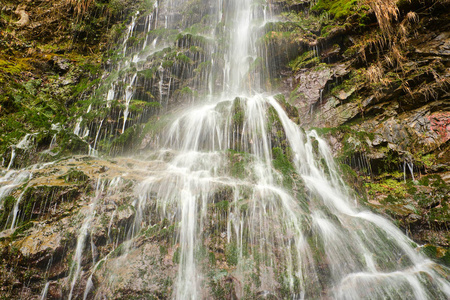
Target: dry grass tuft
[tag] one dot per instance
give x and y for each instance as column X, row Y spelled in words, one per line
column 375, row 73
column 80, row 7
column 394, row 32
column 412, row 17
column 386, row 11
column 406, row 88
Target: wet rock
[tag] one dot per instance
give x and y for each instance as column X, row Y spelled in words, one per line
column 143, row 271
column 41, row 246
column 394, row 133
column 125, row 216
column 310, row 85
column 310, row 93
column 61, row 64
column 434, row 44
column 330, row 116
column 378, row 140
column 413, row 218
column 343, row 95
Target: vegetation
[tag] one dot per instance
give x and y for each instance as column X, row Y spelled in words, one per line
column 378, row 93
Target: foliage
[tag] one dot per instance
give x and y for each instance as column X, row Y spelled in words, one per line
column 342, row 9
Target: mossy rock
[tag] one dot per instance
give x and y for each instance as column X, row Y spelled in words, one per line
column 8, row 205
column 238, row 114
column 239, row 163
column 282, row 162
column 223, row 193
column 39, row 202
column 341, row 10
column 75, row 176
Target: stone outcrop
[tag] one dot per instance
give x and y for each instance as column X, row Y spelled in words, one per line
column 386, row 109
column 24, row 17
column 382, row 101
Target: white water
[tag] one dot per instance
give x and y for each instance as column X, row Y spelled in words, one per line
column 24, row 144
column 45, row 291
column 129, row 32
column 366, row 256
column 15, row 211
column 128, row 94
column 75, row 268
column 11, row 161
column 11, row 181
column 89, row 213
column 313, row 233
column 299, row 230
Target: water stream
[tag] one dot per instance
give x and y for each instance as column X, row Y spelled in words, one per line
column 288, row 213
column 233, row 174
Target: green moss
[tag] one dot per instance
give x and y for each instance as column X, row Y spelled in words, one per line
column 8, row 205
column 140, row 106
column 13, row 67
column 390, row 187
column 74, row 176
column 342, row 9
column 430, row 251
column 167, row 64
column 148, row 73
column 282, row 162
column 428, row 160
column 424, row 180
column 238, row 113
column 183, row 58
column 222, row 205
column 306, row 60
column 212, row 258
column 20, row 230
column 118, row 251
column 446, row 258
column 220, row 289
column 232, row 254
column 238, row 163
column 33, row 105
column 186, row 91
column 273, row 119
column 176, row 256
column 163, row 250
column 125, row 141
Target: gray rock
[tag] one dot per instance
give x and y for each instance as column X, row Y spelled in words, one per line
column 61, row 64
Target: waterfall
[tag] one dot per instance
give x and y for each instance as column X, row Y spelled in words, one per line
column 251, row 205
column 287, row 212
column 365, row 256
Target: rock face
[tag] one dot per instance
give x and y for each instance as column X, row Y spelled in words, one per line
column 48, row 245
column 381, row 97
column 50, row 56
column 386, row 108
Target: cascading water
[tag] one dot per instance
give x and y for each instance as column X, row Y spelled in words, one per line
column 252, row 199
column 308, row 235
column 320, row 242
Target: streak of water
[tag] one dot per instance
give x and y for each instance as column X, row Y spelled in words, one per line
column 75, row 268
column 311, row 230
column 299, row 233
column 286, row 216
column 45, row 291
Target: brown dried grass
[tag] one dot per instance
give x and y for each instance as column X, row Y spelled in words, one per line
column 385, row 11
column 80, row 7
